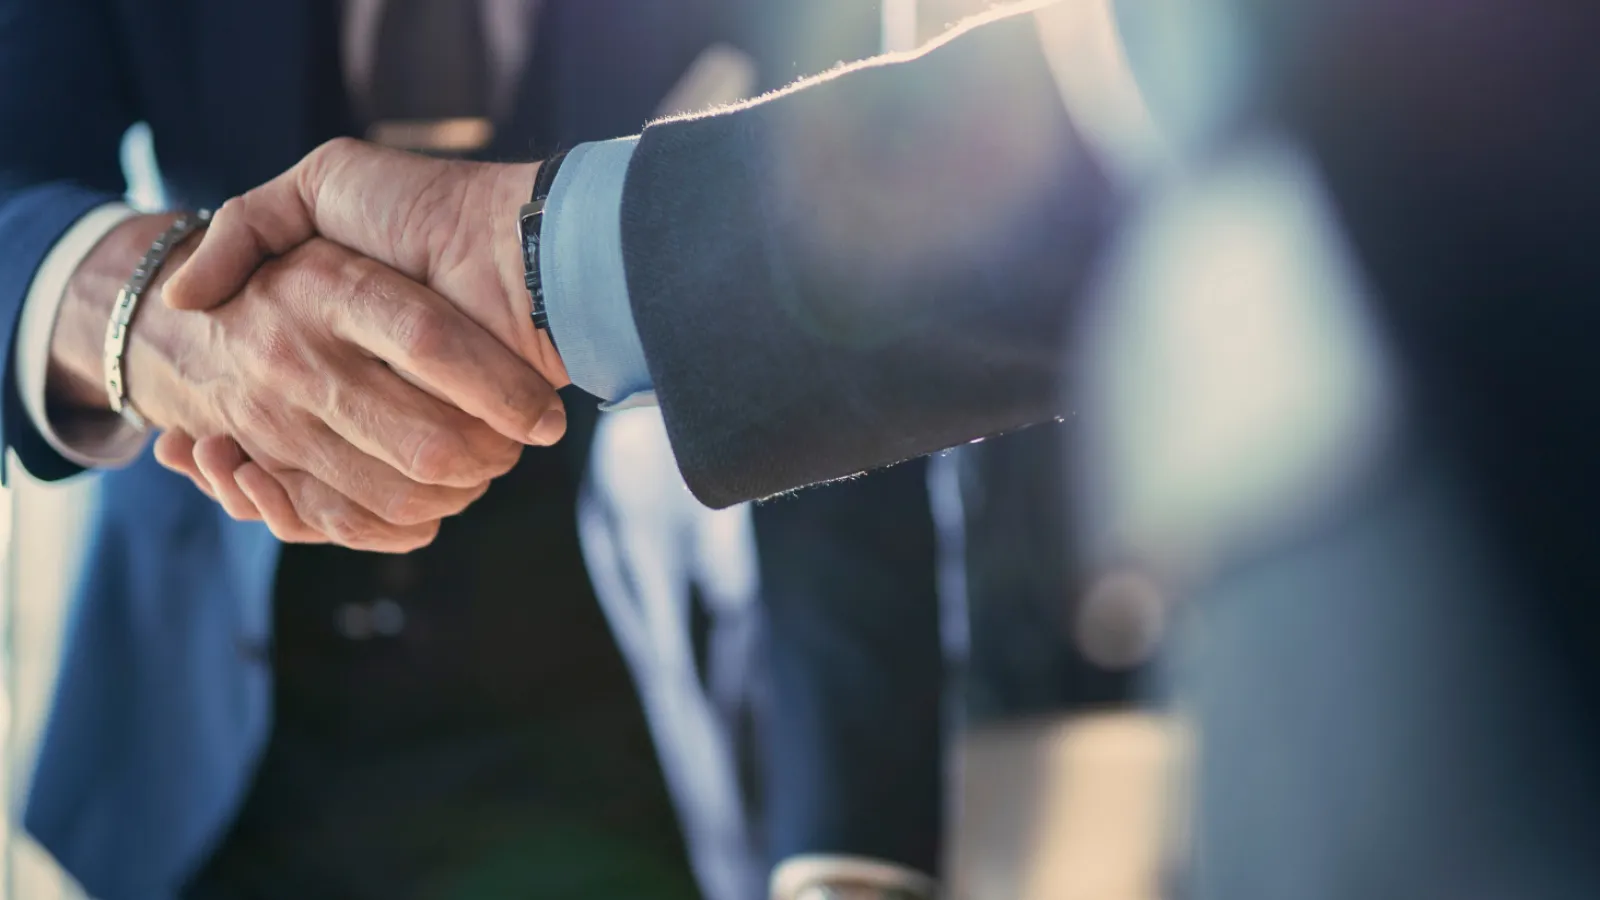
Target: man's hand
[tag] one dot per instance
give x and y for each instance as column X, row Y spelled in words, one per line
column 449, row 225
column 301, row 369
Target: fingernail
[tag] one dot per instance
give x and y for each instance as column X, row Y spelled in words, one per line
column 550, row 428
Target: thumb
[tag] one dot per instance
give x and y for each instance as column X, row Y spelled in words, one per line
column 247, row 231
column 347, row 191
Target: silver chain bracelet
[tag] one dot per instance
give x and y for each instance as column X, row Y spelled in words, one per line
column 128, row 303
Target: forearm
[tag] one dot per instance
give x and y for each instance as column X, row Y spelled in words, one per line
column 864, row 270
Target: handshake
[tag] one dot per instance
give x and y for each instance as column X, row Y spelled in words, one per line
column 347, row 355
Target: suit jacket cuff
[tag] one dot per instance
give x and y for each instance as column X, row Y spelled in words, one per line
column 31, row 224
column 586, row 287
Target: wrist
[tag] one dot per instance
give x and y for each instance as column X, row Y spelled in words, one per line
column 76, row 379
column 160, row 340
column 511, row 190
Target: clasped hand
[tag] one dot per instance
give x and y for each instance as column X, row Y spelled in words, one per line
column 368, row 363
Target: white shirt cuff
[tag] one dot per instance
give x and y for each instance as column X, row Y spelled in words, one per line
column 90, row 440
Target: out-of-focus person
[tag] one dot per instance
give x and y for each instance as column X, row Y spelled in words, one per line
column 237, row 717
column 1363, row 466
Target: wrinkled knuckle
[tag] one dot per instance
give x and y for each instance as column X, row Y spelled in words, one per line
column 347, row 527
column 423, row 334
column 365, row 276
column 367, row 288
column 410, row 504
column 399, row 507
column 345, row 405
column 435, row 457
column 501, row 455
column 278, row 351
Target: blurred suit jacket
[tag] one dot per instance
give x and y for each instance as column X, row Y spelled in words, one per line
column 162, row 707
column 916, row 234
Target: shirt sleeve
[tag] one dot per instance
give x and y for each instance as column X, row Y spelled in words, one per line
column 586, row 287
column 89, row 440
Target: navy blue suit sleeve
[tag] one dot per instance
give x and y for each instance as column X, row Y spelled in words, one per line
column 873, row 266
column 63, row 112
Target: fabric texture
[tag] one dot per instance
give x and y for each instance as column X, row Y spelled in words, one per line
column 874, row 267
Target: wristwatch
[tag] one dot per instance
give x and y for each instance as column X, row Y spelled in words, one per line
column 530, row 228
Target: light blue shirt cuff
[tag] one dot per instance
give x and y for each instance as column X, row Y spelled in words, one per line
column 585, row 284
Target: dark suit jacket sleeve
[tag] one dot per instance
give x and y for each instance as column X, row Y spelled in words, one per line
column 63, row 110
column 869, row 267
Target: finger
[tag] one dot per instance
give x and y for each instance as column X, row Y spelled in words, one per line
column 218, row 458
column 424, row 439
column 175, row 450
column 435, row 345
column 342, row 521
column 247, row 231
column 277, row 510
column 380, row 489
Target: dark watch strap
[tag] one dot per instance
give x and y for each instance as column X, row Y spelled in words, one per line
column 531, row 229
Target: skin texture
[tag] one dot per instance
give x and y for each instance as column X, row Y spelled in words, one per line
column 329, row 395
column 451, row 226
